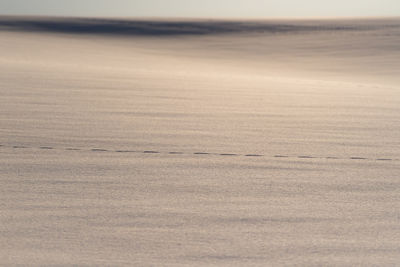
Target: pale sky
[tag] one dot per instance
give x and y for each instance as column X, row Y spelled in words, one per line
column 202, row 8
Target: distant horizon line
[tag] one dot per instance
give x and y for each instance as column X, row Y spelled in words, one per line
column 203, row 17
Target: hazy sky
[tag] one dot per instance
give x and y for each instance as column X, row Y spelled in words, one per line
column 203, row 8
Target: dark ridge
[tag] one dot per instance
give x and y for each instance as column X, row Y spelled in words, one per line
column 99, row 150
column 151, row 152
column 171, row 28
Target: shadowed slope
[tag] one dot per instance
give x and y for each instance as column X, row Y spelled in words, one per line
column 170, row 27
